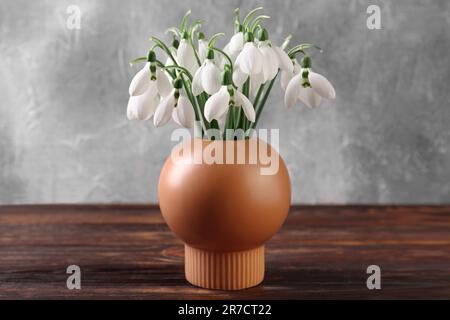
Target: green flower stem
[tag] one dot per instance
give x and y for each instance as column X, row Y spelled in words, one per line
column 182, row 69
column 163, row 47
column 191, row 42
column 201, row 103
column 258, row 95
column 257, row 22
column 263, row 101
column 227, row 123
column 226, row 57
column 137, row 60
column 249, row 16
column 184, row 20
column 162, row 66
column 191, row 98
column 213, row 39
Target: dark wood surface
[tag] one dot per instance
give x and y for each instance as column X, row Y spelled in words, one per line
column 127, row 251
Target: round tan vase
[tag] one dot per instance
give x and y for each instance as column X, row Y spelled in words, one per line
column 224, row 212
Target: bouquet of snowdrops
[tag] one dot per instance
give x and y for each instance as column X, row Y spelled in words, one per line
column 220, row 89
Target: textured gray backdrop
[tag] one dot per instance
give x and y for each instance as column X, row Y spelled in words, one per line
column 64, row 136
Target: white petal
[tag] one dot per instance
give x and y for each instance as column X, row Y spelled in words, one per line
column 164, row 110
column 202, row 49
column 221, row 123
column 255, row 81
column 250, row 59
column 284, row 61
column 197, row 87
column 186, row 56
column 142, row 107
column 287, row 76
column 163, row 83
column 242, row 100
column 270, row 62
column 140, row 82
column 239, row 77
column 175, row 117
column 309, row 97
column 236, row 43
column 210, row 78
column 292, row 91
column 321, row 85
column 217, row 105
column 184, row 114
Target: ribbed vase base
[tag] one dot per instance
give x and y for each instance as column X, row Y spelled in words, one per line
column 224, row 270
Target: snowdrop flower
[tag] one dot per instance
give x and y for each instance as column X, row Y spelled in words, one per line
column 174, row 103
column 186, row 55
column 150, row 78
column 207, row 77
column 235, row 45
column 249, row 62
column 143, row 106
column 183, row 114
column 308, row 87
column 217, row 105
column 270, row 62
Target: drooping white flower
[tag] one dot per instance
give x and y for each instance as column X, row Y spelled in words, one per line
column 217, row 105
column 235, row 45
column 164, row 110
column 143, row 81
column 250, row 60
column 308, row 87
column 207, row 77
column 270, row 63
column 183, row 114
column 242, row 101
column 143, row 106
column 186, row 56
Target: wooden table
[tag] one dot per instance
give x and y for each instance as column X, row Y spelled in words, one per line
column 126, row 251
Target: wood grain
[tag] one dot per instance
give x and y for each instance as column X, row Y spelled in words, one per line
column 127, row 252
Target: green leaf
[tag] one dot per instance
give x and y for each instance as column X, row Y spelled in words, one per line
column 213, row 39
column 174, row 30
column 183, row 21
column 257, row 22
column 137, row 60
column 250, row 15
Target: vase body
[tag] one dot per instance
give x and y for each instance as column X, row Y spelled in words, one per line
column 226, row 210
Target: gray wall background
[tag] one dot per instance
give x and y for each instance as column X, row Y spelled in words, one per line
column 64, row 136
